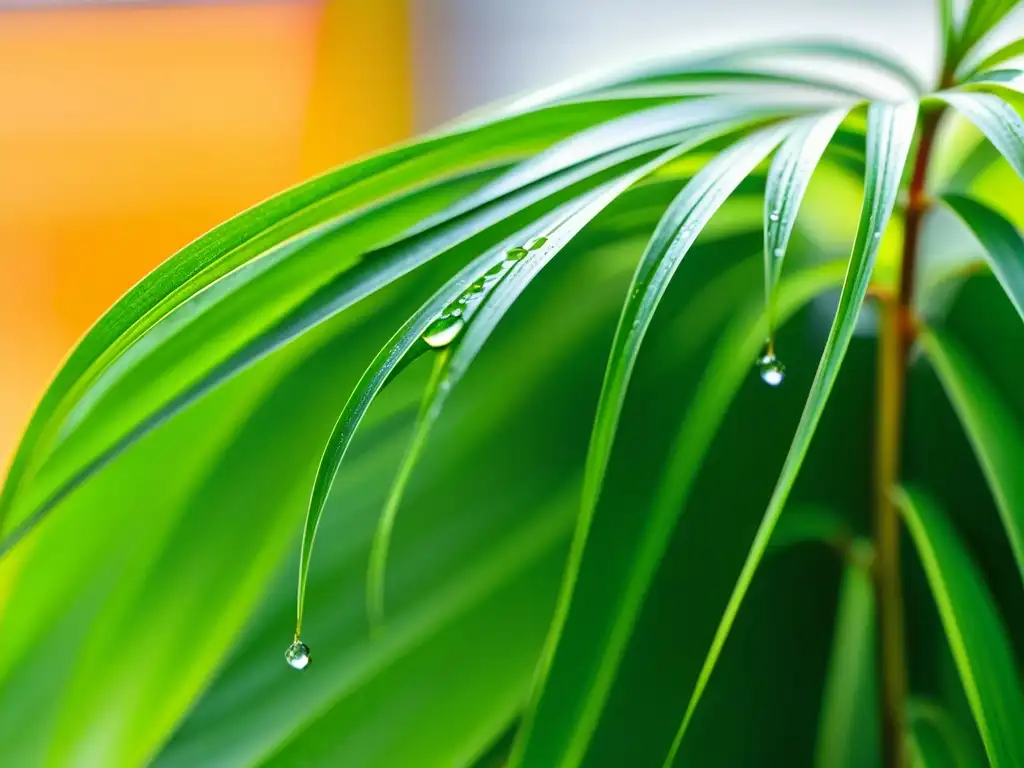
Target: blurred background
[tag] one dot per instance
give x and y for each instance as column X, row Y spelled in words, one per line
column 129, row 128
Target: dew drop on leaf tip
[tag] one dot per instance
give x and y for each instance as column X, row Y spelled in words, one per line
column 443, row 331
column 297, row 655
column 772, row 371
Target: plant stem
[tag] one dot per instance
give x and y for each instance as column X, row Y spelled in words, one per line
column 895, row 337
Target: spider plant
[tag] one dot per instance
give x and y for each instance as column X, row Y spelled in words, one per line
column 576, row 500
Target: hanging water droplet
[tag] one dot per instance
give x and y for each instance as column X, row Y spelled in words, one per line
column 297, row 655
column 515, row 254
column 773, row 216
column 443, row 331
column 778, row 253
column 537, row 242
column 772, row 371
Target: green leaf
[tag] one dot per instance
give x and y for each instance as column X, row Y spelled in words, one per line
column 675, row 234
column 339, row 293
column 948, row 27
column 890, row 133
column 1000, row 56
column 979, row 642
column 400, row 349
column 1001, row 243
column 565, row 699
column 991, row 428
column 982, row 17
column 982, row 156
column 268, row 224
column 567, row 222
column 788, row 178
column 724, row 64
column 996, row 119
column 935, row 740
column 493, row 306
column 848, row 733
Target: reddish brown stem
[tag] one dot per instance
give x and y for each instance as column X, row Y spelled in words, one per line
column 897, row 331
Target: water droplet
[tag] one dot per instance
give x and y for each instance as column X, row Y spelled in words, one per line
column 778, row 253
column 495, row 270
column 773, row 216
column 443, row 331
column 297, row 655
column 877, row 235
column 537, row 242
column 477, row 286
column 515, row 254
column 772, row 371
column 455, row 312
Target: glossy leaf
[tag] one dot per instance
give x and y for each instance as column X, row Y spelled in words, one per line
column 890, row 132
column 1001, row 243
column 404, row 345
column 790, row 174
column 730, row 60
column 565, row 700
column 991, row 427
column 493, row 306
column 342, row 291
column 983, row 653
column 270, row 223
column 1000, row 56
column 996, row 119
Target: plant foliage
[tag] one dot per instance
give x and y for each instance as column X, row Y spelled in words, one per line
column 583, row 402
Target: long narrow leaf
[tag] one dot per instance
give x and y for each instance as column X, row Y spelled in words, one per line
column 976, row 635
column 935, row 740
column 949, row 27
column 373, row 273
column 492, row 308
column 269, row 223
column 788, row 178
column 996, row 119
column 565, row 709
column 1000, row 56
column 1001, row 243
column 631, row 130
column 991, row 427
column 890, row 133
column 398, row 351
column 982, row 17
column 695, row 66
column 847, row 733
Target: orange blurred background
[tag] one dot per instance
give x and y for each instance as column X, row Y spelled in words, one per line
column 128, row 130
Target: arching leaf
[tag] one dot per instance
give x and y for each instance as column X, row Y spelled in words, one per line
column 991, row 427
column 890, row 133
column 579, row 676
column 981, row 648
column 996, row 119
column 790, row 174
column 1001, row 243
column 848, row 732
